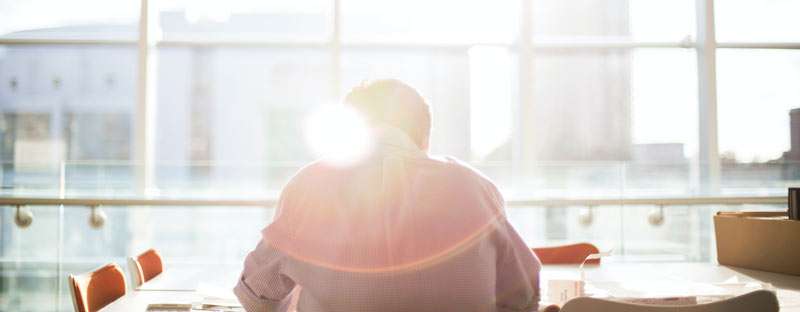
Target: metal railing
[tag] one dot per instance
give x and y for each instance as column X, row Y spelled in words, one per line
column 24, row 217
column 588, row 202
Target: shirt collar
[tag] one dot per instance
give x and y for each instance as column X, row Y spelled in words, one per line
column 393, row 141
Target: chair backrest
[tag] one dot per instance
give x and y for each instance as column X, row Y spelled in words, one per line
column 757, row 301
column 145, row 267
column 567, row 254
column 135, row 271
column 94, row 290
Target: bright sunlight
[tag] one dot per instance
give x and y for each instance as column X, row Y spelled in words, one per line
column 338, row 133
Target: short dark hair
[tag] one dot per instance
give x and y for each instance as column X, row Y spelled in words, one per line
column 392, row 102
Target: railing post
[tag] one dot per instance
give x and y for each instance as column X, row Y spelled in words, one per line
column 586, row 216
column 62, row 193
column 656, row 216
column 23, row 217
column 97, row 218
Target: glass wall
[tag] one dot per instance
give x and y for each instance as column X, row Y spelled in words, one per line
column 62, row 102
column 759, row 128
column 585, row 99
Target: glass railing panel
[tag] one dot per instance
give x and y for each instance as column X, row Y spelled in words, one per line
column 29, row 261
column 210, row 235
column 222, row 180
column 100, row 179
column 571, row 180
column 665, row 233
column 658, row 180
column 551, row 226
column 89, row 243
column 29, row 180
column 36, row 260
column 185, row 236
column 759, row 179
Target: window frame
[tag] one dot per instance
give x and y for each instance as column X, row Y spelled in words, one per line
column 526, row 45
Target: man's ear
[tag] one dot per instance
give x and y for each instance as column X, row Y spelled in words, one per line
column 425, row 143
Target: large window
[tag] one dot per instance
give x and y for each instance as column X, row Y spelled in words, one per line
column 515, row 87
column 757, row 21
column 68, row 86
column 582, row 100
column 758, row 70
column 68, row 90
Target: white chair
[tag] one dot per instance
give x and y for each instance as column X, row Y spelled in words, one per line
column 757, row 301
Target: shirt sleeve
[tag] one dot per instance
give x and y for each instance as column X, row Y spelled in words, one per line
column 517, row 287
column 262, row 286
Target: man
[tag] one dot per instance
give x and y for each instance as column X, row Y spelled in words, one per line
column 396, row 231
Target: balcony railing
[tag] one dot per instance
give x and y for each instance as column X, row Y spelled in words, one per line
column 71, row 218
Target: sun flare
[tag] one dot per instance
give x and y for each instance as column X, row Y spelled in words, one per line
column 338, row 133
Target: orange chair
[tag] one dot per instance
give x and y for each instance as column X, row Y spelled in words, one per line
column 567, row 254
column 94, row 290
column 145, row 267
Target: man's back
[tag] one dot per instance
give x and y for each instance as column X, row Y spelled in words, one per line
column 398, row 231
column 394, row 231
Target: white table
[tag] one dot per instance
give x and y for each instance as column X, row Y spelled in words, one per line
column 189, row 277
column 177, row 284
column 788, row 286
column 137, row 300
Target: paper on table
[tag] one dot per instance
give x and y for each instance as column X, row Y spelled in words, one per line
column 672, row 290
column 593, row 256
column 560, row 291
column 666, row 301
column 169, row 307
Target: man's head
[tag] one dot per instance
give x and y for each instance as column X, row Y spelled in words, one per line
column 394, row 103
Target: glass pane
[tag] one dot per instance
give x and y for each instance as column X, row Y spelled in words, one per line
column 63, row 104
column 86, row 247
column 429, row 21
column 663, row 99
column 454, row 87
column 441, row 77
column 552, row 226
column 758, row 139
column 682, row 234
column 596, row 120
column 207, row 238
column 95, row 19
column 594, row 109
column 29, row 271
column 245, row 20
column 746, row 20
column 757, row 88
column 618, row 19
column 232, row 119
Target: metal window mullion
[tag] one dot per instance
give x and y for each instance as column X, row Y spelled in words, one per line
column 144, row 117
column 336, row 50
column 537, row 45
column 708, row 149
column 759, row 45
column 522, row 154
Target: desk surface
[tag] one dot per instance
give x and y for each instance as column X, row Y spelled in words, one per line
column 190, row 277
column 177, row 284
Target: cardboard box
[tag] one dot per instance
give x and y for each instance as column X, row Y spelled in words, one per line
column 766, row 241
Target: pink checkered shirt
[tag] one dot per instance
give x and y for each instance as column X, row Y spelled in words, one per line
column 397, row 231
